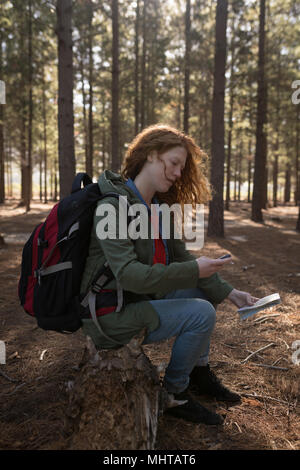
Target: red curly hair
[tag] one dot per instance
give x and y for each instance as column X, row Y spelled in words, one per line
column 192, row 187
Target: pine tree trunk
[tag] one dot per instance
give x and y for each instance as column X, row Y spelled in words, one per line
column 89, row 161
column 115, row 87
column 143, row 75
column 298, row 221
column 275, row 179
column 249, row 180
column 187, row 66
column 9, row 166
column 41, row 179
column 276, row 146
column 152, row 72
column 28, row 188
column 23, row 150
column 235, row 177
column 265, row 188
column 55, row 192
column 287, row 186
column 136, row 70
column 65, row 97
column 228, row 174
column 45, row 158
column 240, row 157
column 2, row 155
column 216, row 207
column 86, row 147
column 261, row 142
column 230, row 119
column 297, row 156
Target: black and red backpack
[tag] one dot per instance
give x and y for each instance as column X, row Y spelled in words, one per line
column 54, row 257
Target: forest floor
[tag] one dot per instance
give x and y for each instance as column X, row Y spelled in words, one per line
column 266, row 257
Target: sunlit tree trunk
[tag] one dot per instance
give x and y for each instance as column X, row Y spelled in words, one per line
column 65, row 97
column 216, row 207
column 261, row 140
column 115, row 87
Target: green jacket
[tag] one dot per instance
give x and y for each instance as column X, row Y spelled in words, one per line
column 131, row 264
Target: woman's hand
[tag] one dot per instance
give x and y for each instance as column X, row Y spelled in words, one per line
column 208, row 266
column 241, row 299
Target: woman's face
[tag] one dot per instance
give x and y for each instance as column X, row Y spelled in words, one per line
column 166, row 168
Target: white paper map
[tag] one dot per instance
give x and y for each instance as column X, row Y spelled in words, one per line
column 261, row 304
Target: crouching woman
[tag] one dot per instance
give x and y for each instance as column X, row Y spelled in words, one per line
column 157, row 283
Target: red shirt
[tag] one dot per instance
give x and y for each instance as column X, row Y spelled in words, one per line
column 160, row 252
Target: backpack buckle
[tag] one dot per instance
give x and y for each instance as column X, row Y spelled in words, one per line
column 37, row 275
column 97, row 286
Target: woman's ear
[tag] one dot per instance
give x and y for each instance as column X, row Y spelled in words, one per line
column 151, row 157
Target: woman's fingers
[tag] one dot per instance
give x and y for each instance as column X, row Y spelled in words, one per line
column 219, row 263
column 209, row 266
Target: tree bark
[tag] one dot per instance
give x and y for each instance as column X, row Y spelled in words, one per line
column 187, row 65
column 115, row 400
column 28, row 167
column 45, row 140
column 287, row 186
column 275, row 179
column 143, row 75
column 261, row 141
column 298, row 221
column 297, row 156
column 23, row 149
column 41, row 178
column 136, row 70
column 230, row 119
column 2, row 155
column 240, row 160
column 115, row 87
column 249, row 174
column 216, row 207
column 65, row 97
column 89, row 161
column 85, row 132
column 55, row 193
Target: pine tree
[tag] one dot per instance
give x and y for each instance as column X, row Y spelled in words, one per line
column 216, row 207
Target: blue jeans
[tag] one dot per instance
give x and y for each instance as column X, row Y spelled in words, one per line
column 186, row 314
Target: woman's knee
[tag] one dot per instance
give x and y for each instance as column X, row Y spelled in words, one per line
column 204, row 314
column 210, row 313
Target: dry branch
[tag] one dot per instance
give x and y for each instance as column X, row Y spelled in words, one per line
column 272, row 367
column 255, row 352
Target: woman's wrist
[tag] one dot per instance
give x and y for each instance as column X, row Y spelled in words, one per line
column 232, row 294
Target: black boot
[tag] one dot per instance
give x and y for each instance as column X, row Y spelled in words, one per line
column 192, row 410
column 204, row 382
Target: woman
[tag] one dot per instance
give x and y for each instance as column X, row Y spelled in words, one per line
column 165, row 288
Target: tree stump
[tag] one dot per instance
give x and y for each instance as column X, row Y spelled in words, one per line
column 115, row 400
